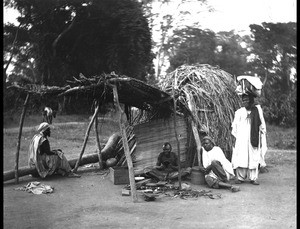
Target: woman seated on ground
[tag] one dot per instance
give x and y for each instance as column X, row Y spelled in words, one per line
column 166, row 166
column 217, row 169
column 46, row 161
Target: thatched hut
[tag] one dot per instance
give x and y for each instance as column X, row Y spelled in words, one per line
column 209, row 92
column 201, row 96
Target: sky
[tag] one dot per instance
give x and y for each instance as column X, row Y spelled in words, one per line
column 239, row 14
column 232, row 14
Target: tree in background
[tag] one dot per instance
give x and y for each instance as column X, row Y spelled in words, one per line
column 274, row 56
column 65, row 38
column 192, row 45
column 164, row 18
column 231, row 52
column 225, row 49
column 270, row 52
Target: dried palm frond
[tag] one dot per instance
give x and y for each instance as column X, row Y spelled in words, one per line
column 212, row 95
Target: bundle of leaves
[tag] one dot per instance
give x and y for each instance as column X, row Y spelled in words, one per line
column 209, row 92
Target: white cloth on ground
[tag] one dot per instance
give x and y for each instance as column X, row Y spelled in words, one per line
column 37, row 188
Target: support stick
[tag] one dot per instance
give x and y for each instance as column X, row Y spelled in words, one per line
column 86, row 139
column 125, row 145
column 98, row 141
column 19, row 138
column 176, row 136
column 194, row 128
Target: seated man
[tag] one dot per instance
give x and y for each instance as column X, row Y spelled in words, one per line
column 217, row 169
column 167, row 165
column 46, row 161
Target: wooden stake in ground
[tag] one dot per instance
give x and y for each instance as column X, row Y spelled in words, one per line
column 86, row 139
column 98, row 142
column 194, row 128
column 19, row 139
column 125, row 145
column 178, row 143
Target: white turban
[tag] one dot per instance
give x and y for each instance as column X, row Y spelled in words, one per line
column 253, row 80
column 43, row 126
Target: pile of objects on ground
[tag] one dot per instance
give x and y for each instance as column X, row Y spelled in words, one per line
column 151, row 190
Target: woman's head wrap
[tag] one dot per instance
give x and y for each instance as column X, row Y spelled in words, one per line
column 43, row 126
column 210, row 139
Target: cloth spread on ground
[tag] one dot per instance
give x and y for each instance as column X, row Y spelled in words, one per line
column 37, row 188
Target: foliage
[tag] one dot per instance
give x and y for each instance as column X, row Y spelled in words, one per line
column 192, row 45
column 280, row 109
column 66, row 38
column 281, row 137
column 275, row 51
column 171, row 15
column 231, row 56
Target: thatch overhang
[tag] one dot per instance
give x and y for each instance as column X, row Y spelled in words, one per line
column 132, row 92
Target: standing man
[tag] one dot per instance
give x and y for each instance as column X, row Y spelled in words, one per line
column 217, row 169
column 249, row 131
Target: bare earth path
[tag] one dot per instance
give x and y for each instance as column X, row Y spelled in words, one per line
column 92, row 201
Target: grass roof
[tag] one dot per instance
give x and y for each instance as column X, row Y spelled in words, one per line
column 213, row 96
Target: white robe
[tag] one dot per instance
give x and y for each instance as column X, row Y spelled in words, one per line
column 244, row 155
column 45, row 164
column 216, row 153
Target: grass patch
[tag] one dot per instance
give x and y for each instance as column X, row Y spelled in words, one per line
column 281, row 138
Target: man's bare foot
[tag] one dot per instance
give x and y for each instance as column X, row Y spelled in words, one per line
column 73, row 175
column 235, row 188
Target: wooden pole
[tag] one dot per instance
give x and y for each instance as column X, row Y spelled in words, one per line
column 19, row 138
column 176, row 135
column 86, row 139
column 125, row 145
column 98, row 141
column 194, row 128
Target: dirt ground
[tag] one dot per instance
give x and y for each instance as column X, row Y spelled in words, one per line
column 93, row 201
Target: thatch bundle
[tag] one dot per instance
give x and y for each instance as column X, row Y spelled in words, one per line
column 211, row 93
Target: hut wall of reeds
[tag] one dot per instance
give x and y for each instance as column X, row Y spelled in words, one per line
column 151, row 136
